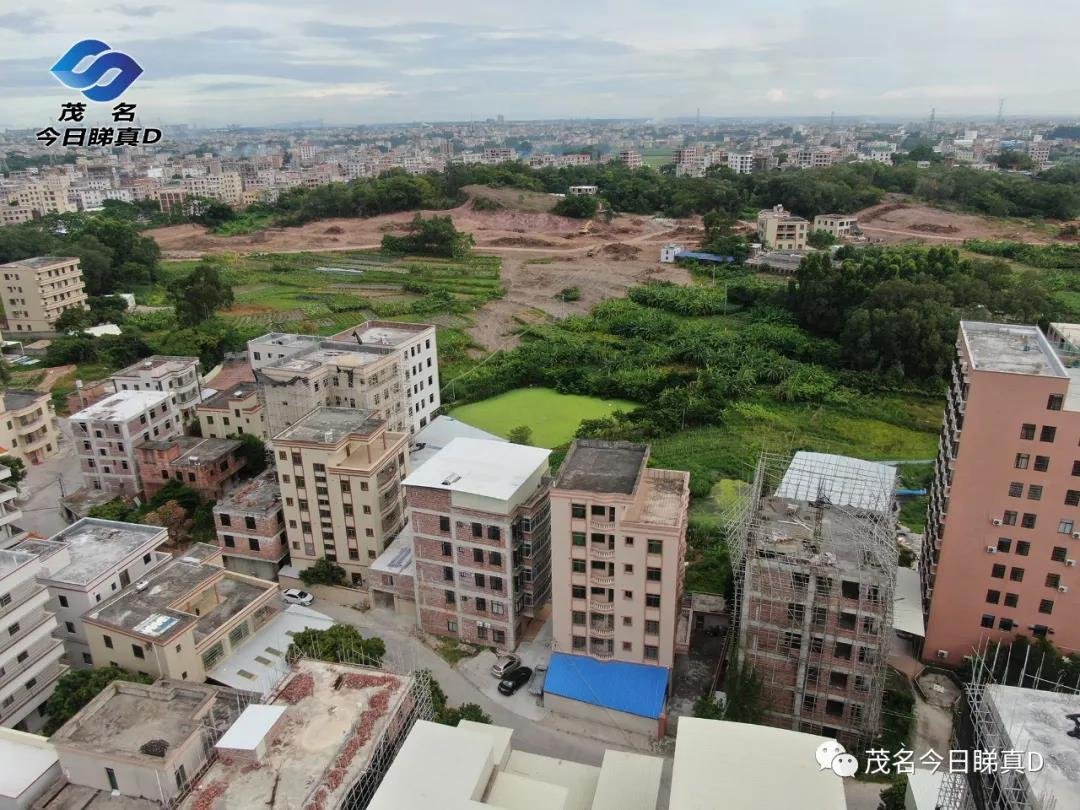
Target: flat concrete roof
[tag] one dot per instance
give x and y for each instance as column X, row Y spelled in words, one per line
column 480, row 467
column 662, row 498
column 628, row 782
column 593, row 465
column 331, row 425
column 17, row 400
column 743, row 765
column 11, row 561
column 383, row 333
column 122, row 406
column 1010, row 348
column 98, row 546
column 81, row 797
column 257, row 496
column 159, row 365
column 220, row 400
column 26, row 758
column 38, row 262
column 440, row 432
column 907, row 603
column 839, row 480
column 251, row 727
column 194, row 452
column 397, row 558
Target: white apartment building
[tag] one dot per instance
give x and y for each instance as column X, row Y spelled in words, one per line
column 741, row 162
column 583, row 191
column 87, row 562
column 29, row 655
column 36, row 291
column 228, row 187
column 105, row 435
column 839, row 225
column 10, row 532
column 177, row 376
column 781, row 230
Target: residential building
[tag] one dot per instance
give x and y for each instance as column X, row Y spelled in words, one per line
column 618, row 541
column 741, row 163
column 631, row 158
column 30, row 658
column 105, row 435
column 90, row 561
column 392, row 575
column 389, row 368
column 232, row 412
column 178, row 376
column 137, row 741
column 208, row 466
column 250, row 526
column 478, row 511
column 30, row 768
column 781, row 230
column 28, row 425
column 10, row 532
column 15, row 215
column 500, row 154
column 174, row 200
column 840, row 226
column 36, row 291
column 816, row 158
column 340, row 472
column 187, row 618
column 46, row 196
column 475, row 765
column 1003, row 521
column 582, row 191
column 669, row 251
column 1039, row 151
column 816, row 544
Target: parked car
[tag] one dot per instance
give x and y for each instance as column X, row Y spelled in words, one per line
column 536, row 686
column 295, row 596
column 515, row 680
column 505, row 665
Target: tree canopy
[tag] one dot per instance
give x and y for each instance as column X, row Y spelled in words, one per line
column 339, row 643
column 200, row 294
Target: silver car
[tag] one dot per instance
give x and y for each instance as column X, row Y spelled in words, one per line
column 505, row 665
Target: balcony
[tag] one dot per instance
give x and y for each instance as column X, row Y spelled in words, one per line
column 603, row 655
column 38, row 653
column 602, row 553
column 21, row 595
column 602, row 579
column 46, row 679
column 602, row 632
column 602, row 607
column 601, row 524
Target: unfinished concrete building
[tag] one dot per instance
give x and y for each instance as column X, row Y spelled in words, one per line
column 814, row 553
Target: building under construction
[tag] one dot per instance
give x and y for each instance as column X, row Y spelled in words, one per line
column 813, row 548
column 1019, row 726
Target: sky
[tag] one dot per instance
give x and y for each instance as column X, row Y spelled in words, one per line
column 349, row 62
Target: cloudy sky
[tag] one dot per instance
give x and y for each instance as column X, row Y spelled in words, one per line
column 351, row 62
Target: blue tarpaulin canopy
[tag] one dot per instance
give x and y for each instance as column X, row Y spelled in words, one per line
column 623, row 687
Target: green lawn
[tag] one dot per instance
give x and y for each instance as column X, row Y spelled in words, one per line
column 553, row 417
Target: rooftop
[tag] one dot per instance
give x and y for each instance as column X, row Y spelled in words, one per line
column 125, row 716
column 622, row 686
column 662, row 498
column 331, row 426
column 122, row 406
column 16, row 400
column 1010, row 348
column 1039, row 721
column 38, row 262
column 440, row 432
column 593, row 465
column 397, row 558
column 66, row 796
column 26, row 758
column 750, row 766
column 12, row 561
column 97, row 547
column 160, row 365
column 382, row 333
column 839, row 480
column 258, row 496
column 220, row 401
column 194, row 452
column 327, row 706
column 480, row 467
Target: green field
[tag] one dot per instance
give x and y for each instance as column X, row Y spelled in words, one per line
column 553, row 417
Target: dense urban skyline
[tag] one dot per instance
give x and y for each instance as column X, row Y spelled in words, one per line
column 246, row 63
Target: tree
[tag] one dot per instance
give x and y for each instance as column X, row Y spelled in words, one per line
column 323, row 572
column 522, row 434
column 894, row 797
column 339, row 643
column 434, row 236
column 173, row 517
column 197, row 296
column 451, row 715
column 820, row 239
column 577, row 206
column 743, row 689
column 77, row 687
column 213, row 213
column 17, row 467
column 72, row 319
column 119, row 509
column 253, row 451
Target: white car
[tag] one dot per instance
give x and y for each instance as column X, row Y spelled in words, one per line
column 295, row 596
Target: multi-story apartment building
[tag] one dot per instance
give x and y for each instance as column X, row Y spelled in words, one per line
column 173, row 200
column 90, row 561
column 105, row 435
column 208, row 466
column 478, row 511
column 15, row 215
column 46, row 196
column 816, row 547
column 340, row 472
column 841, row 226
column 29, row 655
column 233, row 412
column 28, row 425
column 741, row 163
column 815, row 158
column 631, row 158
column 389, row 368
column 251, row 528
column 178, row 376
column 10, row 533
column 781, row 230
column 618, row 541
column 182, row 620
column 36, row 291
column 1003, row 523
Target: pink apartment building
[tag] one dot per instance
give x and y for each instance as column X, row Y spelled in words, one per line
column 1003, row 523
column 105, row 435
column 251, row 528
column 208, row 466
column 618, row 540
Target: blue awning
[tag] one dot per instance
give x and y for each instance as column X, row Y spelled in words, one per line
column 617, row 685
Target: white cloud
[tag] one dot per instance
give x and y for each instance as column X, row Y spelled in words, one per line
column 777, row 95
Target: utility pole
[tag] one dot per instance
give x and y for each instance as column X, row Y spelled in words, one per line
column 1001, row 112
column 933, row 113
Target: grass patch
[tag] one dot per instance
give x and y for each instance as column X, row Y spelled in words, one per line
column 453, row 651
column 725, row 494
column 553, row 417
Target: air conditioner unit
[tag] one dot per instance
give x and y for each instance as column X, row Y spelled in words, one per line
column 1070, row 563
column 1076, row 535
column 991, row 549
column 942, row 653
column 996, row 521
column 1063, row 588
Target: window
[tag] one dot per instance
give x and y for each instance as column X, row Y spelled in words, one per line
column 451, row 597
column 230, row 541
column 494, row 533
column 1009, row 518
column 496, row 583
column 1016, row 574
column 578, row 642
column 1023, row 547
column 253, row 544
column 1053, row 580
column 577, row 510
column 1072, row 497
column 628, row 621
column 993, row 597
column 1004, row 545
column 1022, row 461
column 479, row 580
column 1042, row 463
column 249, row 522
column 70, row 627
column 481, row 604
column 478, row 555
column 1027, row 521
column 1027, row 431
column 652, row 627
column 652, row 600
column 63, row 600
column 577, row 617
column 444, row 523
column 451, row 626
column 1054, row 401
column 137, row 651
column 1011, row 600
column 447, row 549
column 1016, row 489
column 578, row 538
column 477, row 530
column 448, row 573
column 987, row 620
column 1035, row 492
column 652, row 653
column 226, row 520
column 1046, row 606
column 578, row 566
column 653, row 574
column 577, row 591
column 110, row 774
column 998, row 572
column 494, row 558
column 1065, row 527
column 1047, row 433
column 108, row 641
column 655, row 547
column 1076, row 468
column 1005, row 624
column 1058, row 554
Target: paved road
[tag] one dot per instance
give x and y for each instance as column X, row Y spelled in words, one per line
column 46, row 483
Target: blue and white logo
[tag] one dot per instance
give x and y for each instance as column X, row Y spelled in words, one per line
column 121, row 68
